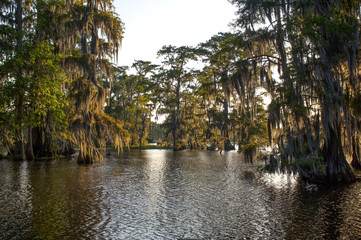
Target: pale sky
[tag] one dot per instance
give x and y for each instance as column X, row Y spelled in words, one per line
column 151, row 24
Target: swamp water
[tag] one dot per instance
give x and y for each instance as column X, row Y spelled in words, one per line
column 161, row 194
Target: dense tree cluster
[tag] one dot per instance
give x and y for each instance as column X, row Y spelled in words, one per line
column 313, row 118
column 202, row 108
column 56, row 76
column 55, row 56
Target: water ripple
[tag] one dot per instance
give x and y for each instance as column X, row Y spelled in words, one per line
column 166, row 195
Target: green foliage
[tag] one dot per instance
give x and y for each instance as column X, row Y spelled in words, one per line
column 45, row 81
column 54, row 56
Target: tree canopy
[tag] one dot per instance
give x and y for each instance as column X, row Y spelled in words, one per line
column 61, row 89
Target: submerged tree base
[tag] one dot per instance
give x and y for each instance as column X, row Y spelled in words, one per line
column 356, row 163
column 322, row 172
column 228, row 146
column 85, row 159
column 337, row 167
column 346, row 176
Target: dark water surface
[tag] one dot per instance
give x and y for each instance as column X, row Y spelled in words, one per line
column 161, row 194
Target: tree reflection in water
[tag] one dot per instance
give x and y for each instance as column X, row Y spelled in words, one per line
column 164, row 194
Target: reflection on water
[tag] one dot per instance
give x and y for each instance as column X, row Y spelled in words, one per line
column 161, row 194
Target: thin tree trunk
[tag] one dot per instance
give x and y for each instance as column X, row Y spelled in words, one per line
column 356, row 164
column 174, row 131
column 176, row 116
column 142, row 130
column 20, row 145
column 20, row 148
column 227, row 143
column 29, row 147
column 225, row 115
column 141, row 135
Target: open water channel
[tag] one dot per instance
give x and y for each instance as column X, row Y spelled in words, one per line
column 161, row 194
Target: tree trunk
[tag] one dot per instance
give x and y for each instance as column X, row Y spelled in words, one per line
column 142, row 130
column 29, row 147
column 224, row 131
column 356, row 164
column 38, row 142
column 176, row 116
column 19, row 145
column 337, row 167
column 174, row 131
column 68, row 149
column 227, row 143
column 48, row 145
column 132, row 140
column 228, row 146
column 140, row 141
column 20, row 148
column 86, row 159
